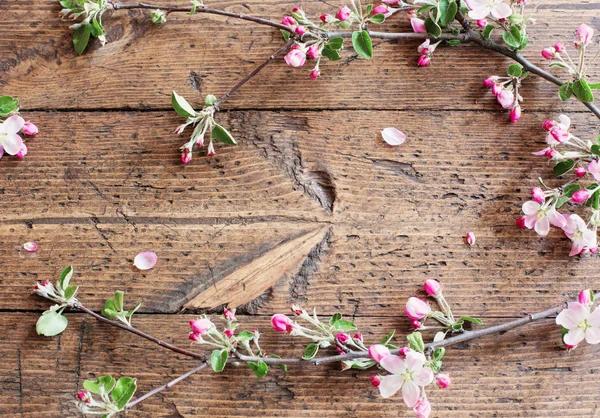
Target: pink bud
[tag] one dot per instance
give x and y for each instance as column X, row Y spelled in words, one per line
column 422, row 408
column 288, row 21
column 313, row 51
column 416, row 308
column 342, row 337
column 490, row 81
column 375, row 381
column 179, row 129
column 30, row 129
column 580, row 196
column 300, row 30
column 432, row 287
column 482, row 23
column 548, row 125
column 496, row 89
column 200, row 326
column 296, row 9
column 378, row 351
column 586, row 298
column 521, row 222
column 593, row 250
column 404, row 351
column 580, row 172
column 380, row 10
column 186, row 156
column 443, row 380
column 570, row 347
column 229, row 315
column 325, row 18
column 548, row 53
column 559, row 134
column 314, row 74
column 585, row 34
column 470, row 238
column 358, row 337
column 30, row 247
column 343, row 13
column 515, row 114
column 537, row 195
column 559, row 47
column 423, row 61
column 340, row 351
column 295, row 58
column 228, row 333
column 22, row 152
column 280, row 323
column 211, row 149
column 416, row 324
column 506, row 98
column 194, row 337
column 84, row 396
column 550, row 153
column 418, row 25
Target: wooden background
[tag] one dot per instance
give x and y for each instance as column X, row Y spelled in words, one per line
column 344, row 221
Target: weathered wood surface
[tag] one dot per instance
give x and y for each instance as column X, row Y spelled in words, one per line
column 362, row 224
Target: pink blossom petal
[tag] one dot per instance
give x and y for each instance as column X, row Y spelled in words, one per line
column 393, row 136
column 594, row 319
column 410, row 393
column 414, row 361
column 145, row 260
column 30, row 246
column 424, row 376
column 393, row 364
column 531, row 208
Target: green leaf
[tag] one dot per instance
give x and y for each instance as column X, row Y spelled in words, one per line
column 218, row 359
column 181, row 106
column 561, row 201
column 487, row 31
column 594, row 86
column 70, row 292
column 453, row 42
column 472, row 320
column 332, row 54
column 123, row 391
column 131, row 312
column 222, row 135
column 415, row 342
column 386, row 340
column 565, row 91
column 438, row 353
column 65, row 278
column 378, row 19
column 245, row 336
column 432, row 28
column 96, row 28
column 310, row 351
column 51, row 323
column 369, row 9
column 563, row 167
column 593, row 199
column 260, row 368
column 343, row 326
column 595, row 150
column 448, row 11
column 81, row 37
column 103, row 383
column 335, row 43
column 424, row 9
column 582, row 90
column 515, row 70
column 286, row 35
column 281, row 366
column 336, row 317
column 118, row 298
column 513, row 37
column 68, row 4
column 8, row 105
column 361, row 41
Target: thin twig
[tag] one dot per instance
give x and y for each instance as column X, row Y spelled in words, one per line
column 167, row 386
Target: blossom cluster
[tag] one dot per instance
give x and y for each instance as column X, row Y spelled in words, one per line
column 506, row 90
column 12, row 125
column 579, row 322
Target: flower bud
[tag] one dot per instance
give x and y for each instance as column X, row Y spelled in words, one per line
column 580, row 172
column 404, row 351
column 295, row 58
column 210, row 99
column 380, row 10
column 586, row 297
column 378, row 351
column 200, row 326
column 343, row 13
column 482, row 23
column 281, row 323
column 375, row 381
column 548, row 125
column 288, row 21
column 506, row 98
column 342, row 337
column 340, row 351
column 300, row 30
column 423, row 61
column 313, row 51
column 416, row 308
column 314, row 74
column 550, row 153
column 416, row 324
column 357, row 337
column 180, row 129
column 470, row 238
column 570, row 347
column 422, row 408
column 84, row 396
column 585, row 34
column 520, row 222
column 443, row 380
column 228, row 333
column 297, row 310
column 158, row 17
column 195, row 337
column 30, row 129
column 537, row 195
column 326, row 18
column 559, row 134
column 580, row 196
column 30, row 247
column 211, row 149
column 186, row 156
column 432, row 287
column 515, row 114
column 548, row 53
column 229, row 315
column 418, row 25
column 22, row 152
column 559, row 47
column 490, row 81
column 496, row 89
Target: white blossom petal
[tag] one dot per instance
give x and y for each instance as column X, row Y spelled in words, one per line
column 531, row 208
column 542, row 226
column 393, row 364
column 576, row 248
column 12, row 143
column 12, row 125
column 479, row 12
column 424, row 376
column 145, row 260
column 390, row 385
column 594, row 318
column 574, row 336
column 410, row 393
column 415, row 360
column 556, row 218
column 501, row 11
column 564, row 121
column 592, row 335
column 393, row 136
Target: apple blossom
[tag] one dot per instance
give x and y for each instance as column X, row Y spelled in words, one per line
column 416, row 324
column 30, row 246
column 342, row 337
column 424, row 47
column 194, row 337
column 490, row 81
column 423, row 61
column 580, row 196
column 228, row 333
column 515, row 114
column 594, row 169
column 580, row 172
column 186, row 156
column 378, row 351
column 416, row 308
column 313, row 51
column 480, row 9
column 404, row 351
column 422, row 408
column 506, row 98
column 314, row 74
column 408, row 375
column 281, row 323
column 288, row 21
column 443, row 380
column 344, row 13
column 200, row 326
column 418, row 25
column 584, row 34
column 380, row 9
column 537, row 195
column 548, row 53
column 586, row 297
column 482, row 23
column 300, row 30
column 229, row 314
column 540, row 217
column 432, row 287
column 520, row 222
column 10, row 141
column 30, row 129
column 559, row 47
column 145, row 260
column 295, row 58
column 375, row 381
column 581, row 323
column 583, row 238
column 22, row 152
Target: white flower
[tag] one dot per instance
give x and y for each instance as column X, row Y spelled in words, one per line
column 9, row 140
column 582, row 237
column 407, row 374
column 581, row 324
column 540, row 218
column 480, row 9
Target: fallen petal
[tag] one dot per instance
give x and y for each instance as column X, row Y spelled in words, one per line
column 30, row 246
column 145, row 260
column 393, row 136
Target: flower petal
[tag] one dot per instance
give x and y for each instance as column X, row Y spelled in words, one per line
column 12, row 125
column 530, row 221
column 542, row 226
column 415, row 360
column 594, row 318
column 410, row 393
column 1, row 150
column 592, row 335
column 12, row 143
column 556, row 218
column 479, row 12
column 564, row 121
column 145, row 260
column 576, row 248
column 531, row 208
column 574, row 336
column 501, row 11
column 424, row 376
column 390, row 385
column 30, row 246
column 393, row 364
column 565, row 319
column 393, row 136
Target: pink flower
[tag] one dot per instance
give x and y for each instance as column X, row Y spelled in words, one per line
column 580, row 196
column 375, row 381
column 581, row 323
column 10, row 142
column 325, row 18
column 288, row 21
column 200, row 326
column 300, row 30
column 380, row 10
column 594, row 169
column 407, row 374
column 490, row 81
column 432, row 287
column 539, row 218
column 585, row 34
column 548, row 53
column 482, row 23
column 229, row 315
column 342, row 337
column 583, row 239
column 559, row 47
column 391, row 2
column 228, row 333
column 424, row 47
column 84, row 396
column 423, row 61
column 418, row 25
column 506, row 98
column 343, row 13
column 30, row 246
column 557, row 131
column 22, row 152
column 496, row 89
column 580, row 172
column 30, row 129
column 145, row 260
column 314, row 74
column 586, row 297
column 520, row 222
column 195, row 337
column 480, row 9
column 313, row 51
column 416, row 308
column 559, row 135
column 537, row 195
column 443, row 380
column 378, row 351
column 404, row 351
column 515, row 114
column 422, row 408
column 295, row 58
column 281, row 323
column 470, row 238
column 548, row 125
column 358, row 337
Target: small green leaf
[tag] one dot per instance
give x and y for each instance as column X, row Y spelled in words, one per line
column 361, row 41
column 596, row 150
column 222, row 135
column 415, row 342
column 96, row 28
column 181, row 106
column 70, row 292
column 218, row 359
column 594, row 86
column 565, row 91
column 286, row 35
column 570, row 189
column 487, row 31
column 259, row 368
column 513, row 37
column 336, row 317
column 336, row 43
column 472, row 320
column 130, row 313
column 332, row 54
column 281, row 366
column 369, row 8
column 103, row 383
column 448, row 11
column 65, row 278
column 386, row 340
column 438, row 353
column 582, row 90
column 343, row 326
column 245, row 336
column 432, row 28
column 453, row 42
column 310, row 351
column 515, row 70
column 378, row 19
column 8, row 105
column 563, row 167
column 51, row 323
column 81, row 37
column 123, row 391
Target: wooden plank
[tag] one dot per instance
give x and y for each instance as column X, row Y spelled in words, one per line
column 142, row 63
column 523, row 373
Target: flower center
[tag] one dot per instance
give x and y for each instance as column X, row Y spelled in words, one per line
column 583, row 325
column 407, row 376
